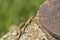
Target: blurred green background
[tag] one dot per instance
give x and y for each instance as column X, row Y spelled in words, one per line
column 13, row 12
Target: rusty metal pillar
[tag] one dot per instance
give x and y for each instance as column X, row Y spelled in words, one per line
column 50, row 17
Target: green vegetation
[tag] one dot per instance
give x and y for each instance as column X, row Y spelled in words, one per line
column 13, row 12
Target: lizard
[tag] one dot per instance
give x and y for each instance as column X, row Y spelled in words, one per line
column 23, row 25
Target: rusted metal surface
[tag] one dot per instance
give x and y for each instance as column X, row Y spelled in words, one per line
column 50, row 17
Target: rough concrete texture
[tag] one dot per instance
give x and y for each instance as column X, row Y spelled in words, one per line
column 34, row 31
